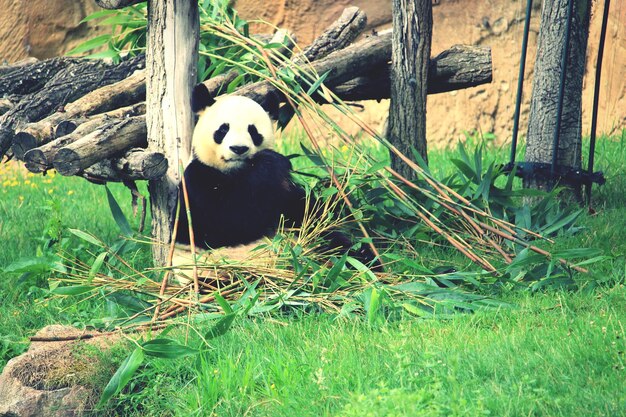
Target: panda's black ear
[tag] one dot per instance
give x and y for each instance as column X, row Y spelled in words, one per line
column 201, row 98
column 270, row 104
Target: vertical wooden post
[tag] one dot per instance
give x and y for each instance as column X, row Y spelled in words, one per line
column 412, row 30
column 171, row 63
column 544, row 101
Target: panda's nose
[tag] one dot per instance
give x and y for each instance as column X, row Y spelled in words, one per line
column 239, row 150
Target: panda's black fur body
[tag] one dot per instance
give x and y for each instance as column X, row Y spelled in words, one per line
column 238, row 187
column 235, row 208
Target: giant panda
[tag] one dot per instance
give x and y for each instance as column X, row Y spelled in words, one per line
column 238, row 187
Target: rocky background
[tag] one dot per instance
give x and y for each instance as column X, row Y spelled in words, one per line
column 43, row 29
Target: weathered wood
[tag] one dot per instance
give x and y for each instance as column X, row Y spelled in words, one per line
column 106, row 142
column 341, row 65
column 5, row 105
column 67, row 85
column 548, row 69
column 337, row 36
column 412, row 32
column 5, row 68
column 172, row 57
column 116, row 4
column 126, row 92
column 135, row 164
column 459, row 67
column 27, row 77
column 40, row 159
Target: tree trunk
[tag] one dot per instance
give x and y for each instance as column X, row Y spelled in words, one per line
column 545, row 92
column 171, row 64
column 412, row 29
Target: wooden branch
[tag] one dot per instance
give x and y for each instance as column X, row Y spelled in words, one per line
column 135, row 164
column 67, row 85
column 5, row 105
column 342, row 65
column 40, row 159
column 362, row 71
column 106, row 142
column 116, row 4
column 7, row 68
column 122, row 93
column 337, row 36
column 29, row 77
column 459, row 67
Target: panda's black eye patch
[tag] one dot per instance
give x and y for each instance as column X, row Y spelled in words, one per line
column 257, row 138
column 220, row 133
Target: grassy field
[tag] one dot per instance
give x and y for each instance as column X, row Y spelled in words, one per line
column 554, row 353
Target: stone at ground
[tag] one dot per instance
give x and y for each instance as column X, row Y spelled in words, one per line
column 44, row 381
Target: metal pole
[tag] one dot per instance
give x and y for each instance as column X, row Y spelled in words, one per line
column 520, row 82
column 596, row 95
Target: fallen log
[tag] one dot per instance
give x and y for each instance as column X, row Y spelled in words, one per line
column 111, row 139
column 126, row 92
column 5, row 105
column 459, row 67
column 6, row 68
column 67, row 85
column 361, row 71
column 338, row 35
column 136, row 164
column 29, row 77
column 456, row 68
column 340, row 66
column 116, row 4
column 39, row 159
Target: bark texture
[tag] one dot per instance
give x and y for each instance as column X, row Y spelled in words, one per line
column 412, row 29
column 116, row 4
column 172, row 57
column 546, row 80
column 67, row 85
column 109, row 140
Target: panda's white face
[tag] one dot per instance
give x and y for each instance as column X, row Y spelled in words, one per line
column 230, row 132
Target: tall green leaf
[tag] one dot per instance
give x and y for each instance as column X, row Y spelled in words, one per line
column 118, row 215
column 122, row 376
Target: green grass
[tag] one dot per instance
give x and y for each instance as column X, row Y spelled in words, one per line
column 556, row 354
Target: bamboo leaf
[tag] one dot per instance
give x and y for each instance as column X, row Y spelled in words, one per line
column 317, row 83
column 122, row 376
column 86, row 237
column 97, row 264
column 118, row 215
column 94, row 43
column 220, row 327
column 72, row 290
column 167, row 349
column 224, row 304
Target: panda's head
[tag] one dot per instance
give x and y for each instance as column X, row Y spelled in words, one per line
column 230, row 130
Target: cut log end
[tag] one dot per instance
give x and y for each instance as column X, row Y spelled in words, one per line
column 35, row 161
column 67, row 162
column 65, row 128
column 22, row 143
column 153, row 166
